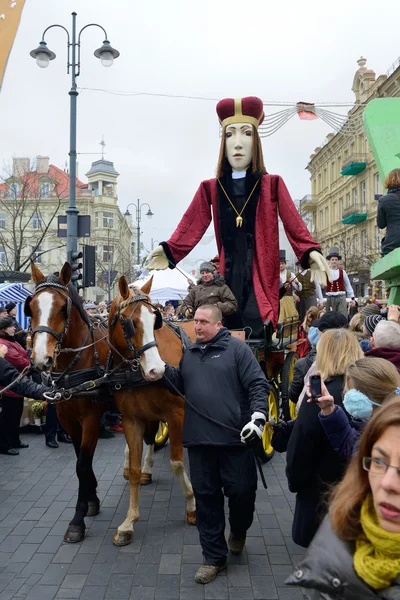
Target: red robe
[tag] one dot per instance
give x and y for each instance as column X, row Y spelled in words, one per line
column 197, row 218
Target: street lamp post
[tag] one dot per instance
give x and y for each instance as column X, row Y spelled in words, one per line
column 149, row 214
column 43, row 56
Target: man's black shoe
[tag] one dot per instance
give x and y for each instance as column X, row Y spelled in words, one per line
column 105, row 434
column 64, row 438
column 22, row 445
column 10, row 452
column 51, row 444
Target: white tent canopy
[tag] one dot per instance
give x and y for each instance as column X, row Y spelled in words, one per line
column 169, row 284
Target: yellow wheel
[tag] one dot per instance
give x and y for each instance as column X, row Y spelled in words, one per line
column 287, row 376
column 292, row 410
column 162, row 435
column 273, row 402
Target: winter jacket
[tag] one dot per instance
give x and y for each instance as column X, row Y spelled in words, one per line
column 25, row 387
column 391, row 354
column 312, row 466
column 327, row 573
column 301, row 367
column 222, row 379
column 16, row 356
column 215, row 292
column 389, row 216
column 343, row 435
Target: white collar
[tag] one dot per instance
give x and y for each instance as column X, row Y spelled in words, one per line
column 238, row 174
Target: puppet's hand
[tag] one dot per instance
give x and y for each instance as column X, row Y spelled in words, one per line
column 157, row 260
column 320, row 268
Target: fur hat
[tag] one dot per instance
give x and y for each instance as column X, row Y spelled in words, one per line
column 10, row 306
column 207, row 266
column 6, row 322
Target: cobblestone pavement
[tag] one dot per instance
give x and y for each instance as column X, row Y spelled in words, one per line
column 37, row 496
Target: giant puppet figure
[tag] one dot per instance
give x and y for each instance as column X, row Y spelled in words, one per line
column 245, row 203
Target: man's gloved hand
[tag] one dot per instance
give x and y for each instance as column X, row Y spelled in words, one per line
column 157, row 259
column 253, row 430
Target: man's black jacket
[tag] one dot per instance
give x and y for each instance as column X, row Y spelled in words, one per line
column 223, row 379
column 25, row 387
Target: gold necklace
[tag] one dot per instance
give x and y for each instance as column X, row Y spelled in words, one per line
column 239, row 218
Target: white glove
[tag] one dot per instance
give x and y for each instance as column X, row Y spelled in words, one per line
column 319, row 267
column 253, row 428
column 157, row 259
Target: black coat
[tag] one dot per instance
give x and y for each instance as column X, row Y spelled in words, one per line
column 301, row 367
column 327, row 573
column 389, row 216
column 222, row 379
column 26, row 387
column 312, row 466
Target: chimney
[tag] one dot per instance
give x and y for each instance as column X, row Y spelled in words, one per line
column 21, row 166
column 42, row 164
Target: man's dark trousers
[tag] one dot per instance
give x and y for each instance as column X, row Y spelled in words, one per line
column 213, row 468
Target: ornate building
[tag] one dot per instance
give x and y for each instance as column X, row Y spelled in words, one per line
column 345, row 184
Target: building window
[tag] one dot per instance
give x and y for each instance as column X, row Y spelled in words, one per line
column 327, row 216
column 333, row 171
column 378, row 238
column 354, row 196
column 96, row 219
column 319, row 182
column 364, row 194
column 108, row 220
column 334, row 218
column 325, row 179
column 13, row 190
column 321, row 219
column 377, row 184
column 36, row 256
column 108, row 189
column 36, row 221
column 108, row 253
column 355, row 244
column 95, row 191
column 364, row 242
column 2, row 220
column 341, row 208
column 45, row 190
column 347, row 200
column 2, row 256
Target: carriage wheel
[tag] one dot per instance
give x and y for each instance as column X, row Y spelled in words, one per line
column 287, row 376
column 162, row 436
column 292, row 410
column 273, row 402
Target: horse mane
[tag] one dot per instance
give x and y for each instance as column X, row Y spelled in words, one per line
column 75, row 297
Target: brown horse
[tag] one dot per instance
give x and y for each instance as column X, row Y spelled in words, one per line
column 132, row 321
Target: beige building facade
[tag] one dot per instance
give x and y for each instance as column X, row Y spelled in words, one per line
column 32, row 198
column 345, row 185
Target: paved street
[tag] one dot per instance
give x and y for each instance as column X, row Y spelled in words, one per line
column 38, row 493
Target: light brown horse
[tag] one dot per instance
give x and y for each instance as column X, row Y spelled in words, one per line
column 132, row 333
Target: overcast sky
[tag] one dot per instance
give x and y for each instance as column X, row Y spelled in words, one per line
column 162, row 147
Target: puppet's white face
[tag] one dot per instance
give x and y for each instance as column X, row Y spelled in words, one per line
column 239, row 145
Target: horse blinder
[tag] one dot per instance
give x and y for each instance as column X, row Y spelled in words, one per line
column 159, row 321
column 27, row 308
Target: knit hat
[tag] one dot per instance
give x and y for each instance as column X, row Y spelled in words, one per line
column 6, row 322
column 371, row 321
column 371, row 309
column 10, row 306
column 207, row 266
column 331, row 320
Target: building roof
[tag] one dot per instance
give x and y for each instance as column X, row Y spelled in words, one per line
column 102, row 166
column 62, row 178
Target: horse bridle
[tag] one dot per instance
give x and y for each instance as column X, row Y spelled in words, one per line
column 127, row 324
column 58, row 287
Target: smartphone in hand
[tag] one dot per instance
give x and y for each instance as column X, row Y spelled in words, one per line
column 315, row 387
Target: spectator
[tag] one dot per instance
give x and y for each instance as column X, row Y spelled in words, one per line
column 102, row 309
column 312, row 464
column 386, row 342
column 20, row 334
column 169, row 313
column 53, row 428
column 91, row 308
column 11, row 403
column 370, row 322
column 389, row 212
column 353, row 308
column 355, row 554
column 216, row 263
column 210, row 289
column 356, row 326
column 3, row 312
column 369, row 382
column 371, row 309
column 310, row 317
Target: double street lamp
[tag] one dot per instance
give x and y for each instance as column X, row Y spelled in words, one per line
column 149, row 214
column 106, row 53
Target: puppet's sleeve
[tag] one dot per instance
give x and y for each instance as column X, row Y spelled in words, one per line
column 296, row 230
column 191, row 228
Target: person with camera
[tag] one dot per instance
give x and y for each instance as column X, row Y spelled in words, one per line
column 222, row 379
column 312, row 463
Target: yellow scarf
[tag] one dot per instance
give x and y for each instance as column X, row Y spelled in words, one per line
column 377, row 555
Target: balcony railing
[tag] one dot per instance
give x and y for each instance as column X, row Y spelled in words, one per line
column 354, row 214
column 308, row 203
column 354, row 164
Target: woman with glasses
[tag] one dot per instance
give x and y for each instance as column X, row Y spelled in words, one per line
column 356, row 552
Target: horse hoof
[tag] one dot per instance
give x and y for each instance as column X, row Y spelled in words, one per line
column 74, row 534
column 191, row 517
column 122, row 538
column 93, row 508
column 126, row 474
column 145, row 479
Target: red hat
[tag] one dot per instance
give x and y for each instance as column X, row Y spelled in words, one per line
column 240, row 110
column 215, row 259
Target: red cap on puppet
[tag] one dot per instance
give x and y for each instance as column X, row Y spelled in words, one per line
column 240, row 110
